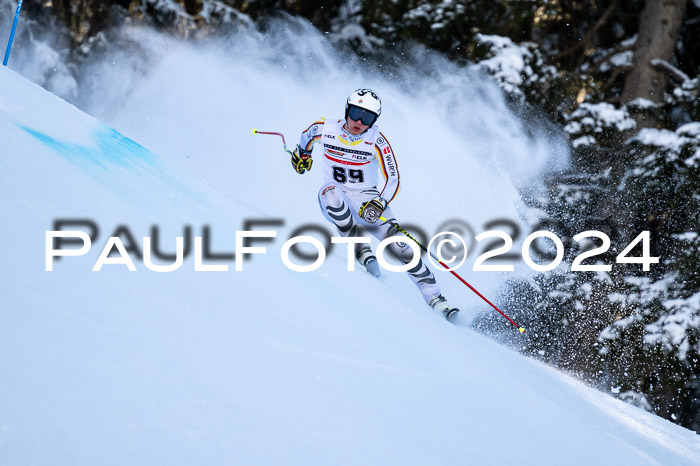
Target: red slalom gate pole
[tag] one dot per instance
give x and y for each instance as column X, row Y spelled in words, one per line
column 395, row 225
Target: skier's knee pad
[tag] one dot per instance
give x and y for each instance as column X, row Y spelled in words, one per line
column 402, row 251
column 330, row 196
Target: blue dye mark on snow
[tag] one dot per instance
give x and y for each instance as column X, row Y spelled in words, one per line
column 114, row 151
column 111, row 148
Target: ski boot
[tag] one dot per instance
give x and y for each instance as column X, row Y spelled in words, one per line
column 439, row 303
column 368, row 260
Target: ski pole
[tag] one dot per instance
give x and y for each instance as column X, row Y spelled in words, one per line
column 396, row 225
column 12, row 33
column 255, row 131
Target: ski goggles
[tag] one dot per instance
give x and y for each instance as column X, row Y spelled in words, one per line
column 360, row 114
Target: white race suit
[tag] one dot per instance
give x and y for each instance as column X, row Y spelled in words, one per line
column 351, row 165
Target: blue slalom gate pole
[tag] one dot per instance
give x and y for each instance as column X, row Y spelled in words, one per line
column 12, row 33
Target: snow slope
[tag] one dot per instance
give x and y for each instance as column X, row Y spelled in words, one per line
column 263, row 366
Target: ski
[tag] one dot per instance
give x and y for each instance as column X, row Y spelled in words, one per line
column 372, row 266
column 450, row 312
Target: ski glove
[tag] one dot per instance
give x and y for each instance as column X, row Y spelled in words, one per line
column 301, row 160
column 371, row 210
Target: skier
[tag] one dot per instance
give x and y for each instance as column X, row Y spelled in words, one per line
column 353, row 152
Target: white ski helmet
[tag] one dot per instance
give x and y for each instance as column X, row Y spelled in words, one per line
column 365, row 99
